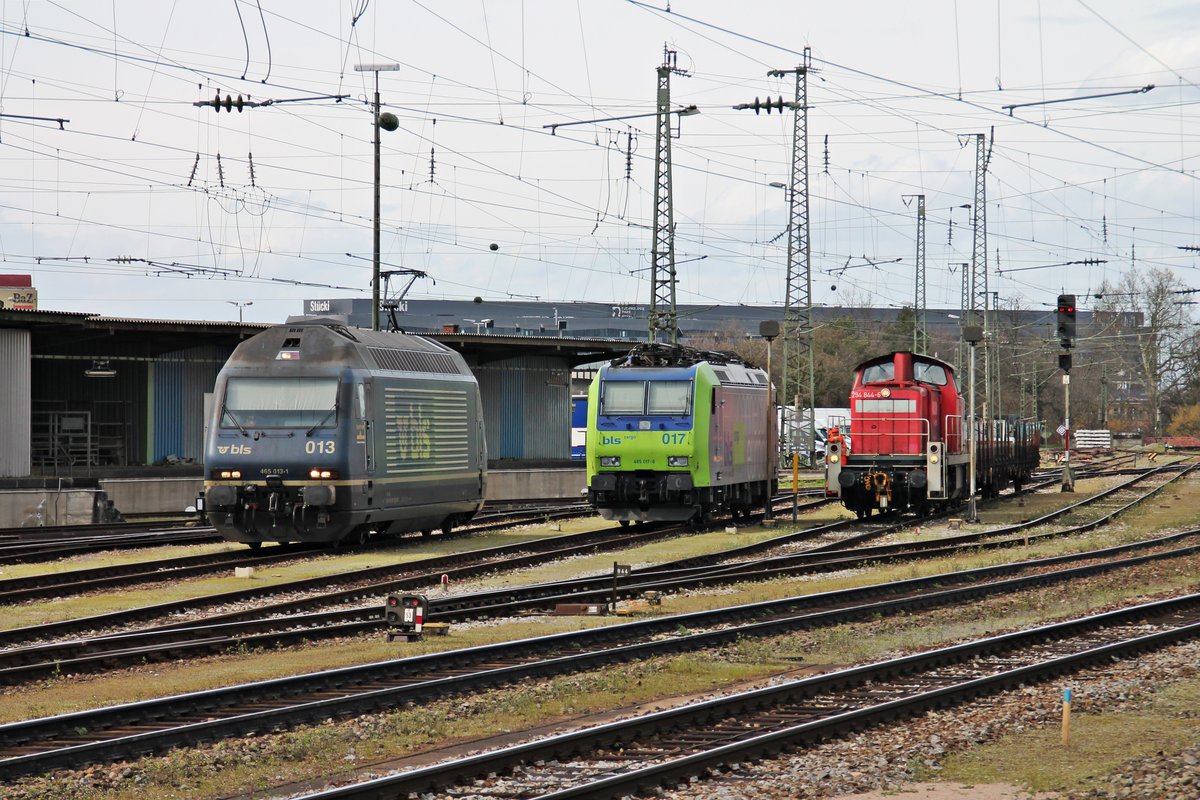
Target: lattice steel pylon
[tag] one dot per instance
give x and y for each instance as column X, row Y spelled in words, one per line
column 963, row 305
column 978, row 301
column 797, row 306
column 662, row 316
column 920, row 326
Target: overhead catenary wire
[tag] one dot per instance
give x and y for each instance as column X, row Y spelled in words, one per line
column 706, row 161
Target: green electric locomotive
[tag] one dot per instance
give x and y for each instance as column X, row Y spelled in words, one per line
column 675, row 433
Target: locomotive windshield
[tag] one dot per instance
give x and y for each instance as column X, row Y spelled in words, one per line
column 669, row 397
column 879, row 372
column 280, row 403
column 925, row 372
column 646, row 398
column 623, row 397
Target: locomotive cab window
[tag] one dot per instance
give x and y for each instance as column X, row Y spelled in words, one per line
column 925, row 372
column 879, row 372
column 669, row 398
column 623, row 397
column 280, row 403
column 360, row 400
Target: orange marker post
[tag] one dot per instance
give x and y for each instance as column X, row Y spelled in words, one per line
column 1066, row 718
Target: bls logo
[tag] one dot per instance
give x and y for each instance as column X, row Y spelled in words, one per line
column 610, row 439
column 235, row 450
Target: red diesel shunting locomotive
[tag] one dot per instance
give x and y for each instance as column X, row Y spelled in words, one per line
column 909, row 430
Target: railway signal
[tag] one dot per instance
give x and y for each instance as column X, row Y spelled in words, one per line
column 405, row 615
column 1066, row 337
column 1066, row 319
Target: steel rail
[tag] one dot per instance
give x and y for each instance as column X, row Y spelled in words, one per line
column 60, row 584
column 424, row 677
column 221, row 633
column 29, row 552
column 845, row 686
column 482, row 559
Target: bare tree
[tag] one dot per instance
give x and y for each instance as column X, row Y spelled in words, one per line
column 1147, row 328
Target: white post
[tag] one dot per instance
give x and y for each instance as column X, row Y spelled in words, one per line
column 972, row 512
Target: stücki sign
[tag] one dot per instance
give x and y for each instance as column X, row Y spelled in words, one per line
column 21, row 298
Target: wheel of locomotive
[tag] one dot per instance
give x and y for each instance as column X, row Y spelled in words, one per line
column 624, row 523
column 356, row 537
column 254, row 545
column 426, row 532
column 858, row 512
column 448, row 526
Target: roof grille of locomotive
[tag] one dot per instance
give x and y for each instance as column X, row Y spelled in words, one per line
column 413, row 361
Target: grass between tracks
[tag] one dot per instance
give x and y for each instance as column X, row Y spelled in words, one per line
column 304, row 566
column 247, row 765
column 1101, row 744
column 72, row 693
column 110, row 558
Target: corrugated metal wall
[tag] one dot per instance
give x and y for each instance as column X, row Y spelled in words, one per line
column 15, row 403
column 180, row 380
column 526, row 407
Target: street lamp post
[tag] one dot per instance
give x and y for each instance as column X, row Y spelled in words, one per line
column 240, row 305
column 391, row 123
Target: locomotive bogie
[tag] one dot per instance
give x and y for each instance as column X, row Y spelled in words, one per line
column 324, row 434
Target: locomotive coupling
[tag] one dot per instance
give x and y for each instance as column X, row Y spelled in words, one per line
column 881, row 484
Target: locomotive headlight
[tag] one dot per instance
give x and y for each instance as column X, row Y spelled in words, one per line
column 318, row 474
column 610, row 461
column 933, row 459
column 834, row 458
column 677, row 461
column 227, row 474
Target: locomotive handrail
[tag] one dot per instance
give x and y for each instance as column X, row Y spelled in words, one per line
column 952, row 426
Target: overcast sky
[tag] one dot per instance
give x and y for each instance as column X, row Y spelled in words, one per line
column 146, row 205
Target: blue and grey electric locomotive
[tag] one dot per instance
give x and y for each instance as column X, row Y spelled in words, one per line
column 323, row 433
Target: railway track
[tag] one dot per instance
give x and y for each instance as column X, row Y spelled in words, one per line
column 31, row 545
column 363, row 582
column 291, row 621
column 634, row 756
column 27, row 545
column 72, row 582
column 129, row 730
